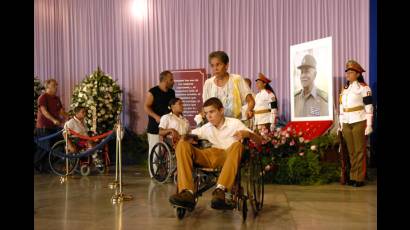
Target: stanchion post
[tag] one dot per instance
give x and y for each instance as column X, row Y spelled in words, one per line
column 65, row 177
column 118, row 197
column 114, row 184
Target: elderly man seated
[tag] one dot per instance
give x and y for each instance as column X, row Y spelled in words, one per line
column 225, row 135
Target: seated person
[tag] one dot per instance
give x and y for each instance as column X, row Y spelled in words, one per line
column 225, row 135
column 77, row 124
column 173, row 125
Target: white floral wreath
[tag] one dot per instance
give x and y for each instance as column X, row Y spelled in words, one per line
column 101, row 96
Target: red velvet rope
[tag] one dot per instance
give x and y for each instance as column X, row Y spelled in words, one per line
column 94, row 138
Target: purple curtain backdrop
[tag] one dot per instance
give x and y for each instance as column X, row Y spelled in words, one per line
column 72, row 38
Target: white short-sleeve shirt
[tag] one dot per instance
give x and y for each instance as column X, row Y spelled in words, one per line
column 171, row 121
column 221, row 138
column 353, row 97
column 77, row 126
column 263, row 101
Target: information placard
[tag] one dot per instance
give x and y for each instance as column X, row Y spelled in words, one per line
column 188, row 86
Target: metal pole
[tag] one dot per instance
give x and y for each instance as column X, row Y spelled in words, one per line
column 120, row 157
column 65, row 177
column 114, row 184
column 116, row 160
column 118, row 197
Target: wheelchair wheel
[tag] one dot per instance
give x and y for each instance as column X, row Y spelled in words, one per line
column 259, row 186
column 85, row 170
column 58, row 163
column 255, row 186
column 160, row 161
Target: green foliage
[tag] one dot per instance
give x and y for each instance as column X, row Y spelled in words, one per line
column 325, row 142
column 304, row 170
column 330, row 172
column 38, row 89
column 289, row 159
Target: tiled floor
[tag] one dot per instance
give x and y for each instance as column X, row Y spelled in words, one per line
column 85, row 203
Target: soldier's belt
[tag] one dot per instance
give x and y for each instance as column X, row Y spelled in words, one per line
column 353, row 109
column 262, row 111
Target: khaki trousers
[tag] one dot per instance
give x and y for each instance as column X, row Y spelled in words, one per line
column 355, row 139
column 187, row 155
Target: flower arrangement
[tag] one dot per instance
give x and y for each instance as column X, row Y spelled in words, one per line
column 38, row 89
column 101, row 95
column 288, row 158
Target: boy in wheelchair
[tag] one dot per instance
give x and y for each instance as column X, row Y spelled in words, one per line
column 225, row 135
column 173, row 125
column 74, row 144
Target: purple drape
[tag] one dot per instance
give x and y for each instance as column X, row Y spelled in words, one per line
column 73, row 37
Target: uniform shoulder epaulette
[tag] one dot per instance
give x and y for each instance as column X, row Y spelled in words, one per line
column 298, row 92
column 322, row 94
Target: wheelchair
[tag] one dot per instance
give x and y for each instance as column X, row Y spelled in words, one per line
column 163, row 159
column 65, row 166
column 248, row 185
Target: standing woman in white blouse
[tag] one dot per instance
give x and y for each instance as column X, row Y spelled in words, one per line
column 356, row 113
column 266, row 106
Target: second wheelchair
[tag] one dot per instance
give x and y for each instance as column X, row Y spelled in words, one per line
column 64, row 166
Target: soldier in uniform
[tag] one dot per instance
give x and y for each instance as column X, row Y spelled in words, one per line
column 355, row 118
column 310, row 101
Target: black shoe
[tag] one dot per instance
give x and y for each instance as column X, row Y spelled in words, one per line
column 358, row 184
column 184, row 199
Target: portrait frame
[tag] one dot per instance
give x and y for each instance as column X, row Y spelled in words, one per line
column 321, row 50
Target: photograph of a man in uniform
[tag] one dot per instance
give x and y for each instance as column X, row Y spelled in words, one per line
column 310, row 100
